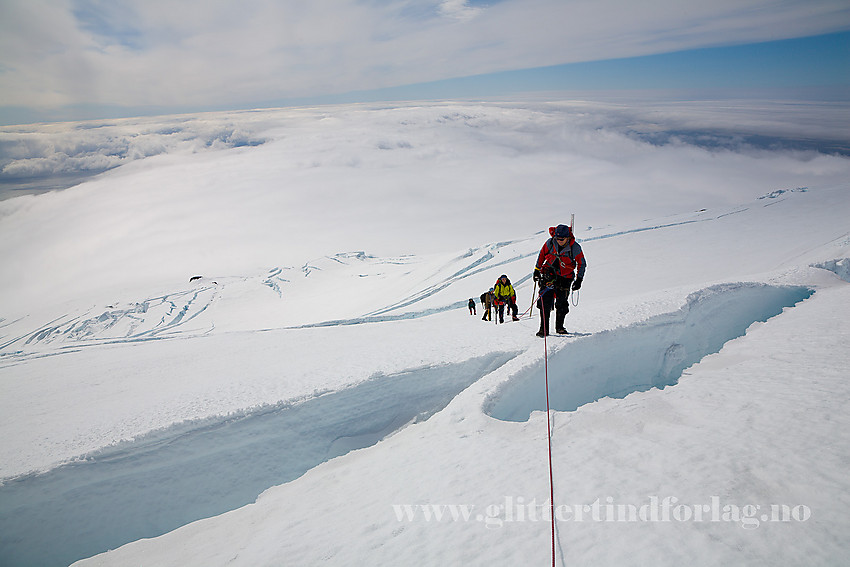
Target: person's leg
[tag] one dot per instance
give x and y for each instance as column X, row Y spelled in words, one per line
column 544, row 304
column 562, row 307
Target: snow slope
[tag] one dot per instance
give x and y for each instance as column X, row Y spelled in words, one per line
column 747, row 428
column 327, row 344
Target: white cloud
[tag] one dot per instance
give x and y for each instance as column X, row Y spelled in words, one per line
column 47, row 151
column 51, row 156
column 192, row 53
column 459, row 9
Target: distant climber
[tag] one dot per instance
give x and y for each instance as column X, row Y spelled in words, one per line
column 560, row 266
column 505, row 295
column 486, row 304
column 472, row 307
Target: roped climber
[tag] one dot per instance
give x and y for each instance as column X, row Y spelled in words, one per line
column 560, row 267
column 505, row 295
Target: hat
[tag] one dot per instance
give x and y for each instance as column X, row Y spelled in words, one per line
column 562, row 231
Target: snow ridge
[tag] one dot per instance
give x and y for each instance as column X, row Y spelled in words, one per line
column 650, row 354
column 840, row 268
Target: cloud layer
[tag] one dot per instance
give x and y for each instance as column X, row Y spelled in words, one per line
column 200, row 53
column 387, row 180
column 55, row 156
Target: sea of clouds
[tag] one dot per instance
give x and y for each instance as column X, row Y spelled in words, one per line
column 40, row 157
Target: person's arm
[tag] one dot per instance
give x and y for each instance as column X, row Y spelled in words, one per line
column 581, row 265
column 541, row 258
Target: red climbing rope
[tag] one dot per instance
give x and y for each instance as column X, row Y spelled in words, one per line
column 549, row 432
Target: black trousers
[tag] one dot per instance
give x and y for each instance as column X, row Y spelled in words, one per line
column 557, row 297
column 512, row 309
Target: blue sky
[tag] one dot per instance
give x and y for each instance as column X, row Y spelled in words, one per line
column 80, row 59
column 817, row 67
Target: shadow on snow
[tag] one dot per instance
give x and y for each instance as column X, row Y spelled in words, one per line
column 149, row 487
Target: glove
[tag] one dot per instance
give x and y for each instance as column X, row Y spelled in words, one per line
column 577, row 283
column 536, row 275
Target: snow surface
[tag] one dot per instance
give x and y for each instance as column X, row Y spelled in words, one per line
column 325, row 358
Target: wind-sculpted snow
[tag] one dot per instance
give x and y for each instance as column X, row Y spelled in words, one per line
column 103, row 338
column 484, row 260
column 780, row 192
column 422, row 287
column 412, row 287
column 149, row 487
column 274, row 281
column 144, row 320
column 840, row 268
column 651, row 354
column 192, row 310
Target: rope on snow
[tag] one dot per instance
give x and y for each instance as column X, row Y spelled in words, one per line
column 549, row 434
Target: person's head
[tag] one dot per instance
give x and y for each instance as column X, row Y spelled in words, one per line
column 503, row 277
column 562, row 234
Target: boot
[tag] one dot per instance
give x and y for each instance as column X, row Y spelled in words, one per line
column 544, row 327
column 559, row 322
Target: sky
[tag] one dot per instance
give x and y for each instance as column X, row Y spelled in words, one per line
column 83, row 59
